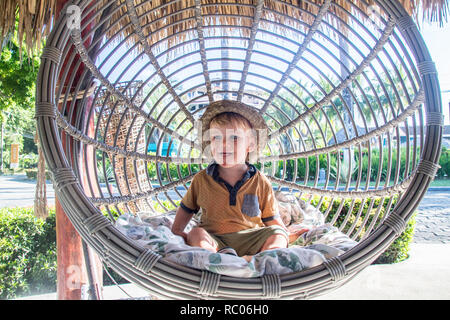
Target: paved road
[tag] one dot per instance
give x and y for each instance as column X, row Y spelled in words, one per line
column 432, row 221
column 18, row 191
column 433, row 218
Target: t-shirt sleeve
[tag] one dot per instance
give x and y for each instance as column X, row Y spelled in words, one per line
column 269, row 204
column 189, row 201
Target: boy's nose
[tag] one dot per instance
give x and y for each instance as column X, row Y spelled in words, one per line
column 228, row 144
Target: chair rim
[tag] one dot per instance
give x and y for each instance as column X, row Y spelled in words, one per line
column 168, row 280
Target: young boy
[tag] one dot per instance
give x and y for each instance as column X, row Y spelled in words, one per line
column 239, row 209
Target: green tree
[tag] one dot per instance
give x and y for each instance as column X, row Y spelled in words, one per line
column 18, row 72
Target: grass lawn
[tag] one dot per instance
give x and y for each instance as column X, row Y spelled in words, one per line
column 445, row 182
column 440, row 183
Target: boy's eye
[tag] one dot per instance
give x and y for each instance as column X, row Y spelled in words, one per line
column 234, row 138
column 217, row 137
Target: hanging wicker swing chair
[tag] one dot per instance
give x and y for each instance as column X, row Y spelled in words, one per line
column 347, row 89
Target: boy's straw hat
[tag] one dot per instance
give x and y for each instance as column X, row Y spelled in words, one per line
column 250, row 113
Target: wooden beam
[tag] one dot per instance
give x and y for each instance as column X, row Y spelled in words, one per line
column 72, row 274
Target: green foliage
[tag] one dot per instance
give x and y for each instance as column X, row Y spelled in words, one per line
column 311, row 164
column 32, row 174
column 154, row 168
column 361, row 215
column 17, row 97
column 307, row 167
column 17, row 78
column 27, row 253
column 28, row 161
column 444, row 162
column 398, row 250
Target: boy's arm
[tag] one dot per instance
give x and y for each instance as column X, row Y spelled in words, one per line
column 182, row 218
column 184, row 212
column 270, row 211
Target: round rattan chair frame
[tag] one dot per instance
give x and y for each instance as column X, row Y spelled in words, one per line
column 67, row 143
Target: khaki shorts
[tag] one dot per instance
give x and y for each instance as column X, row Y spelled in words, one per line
column 247, row 242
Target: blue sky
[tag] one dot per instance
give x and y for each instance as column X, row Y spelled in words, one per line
column 437, row 40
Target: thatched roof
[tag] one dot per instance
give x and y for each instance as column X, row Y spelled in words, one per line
column 33, row 21
column 35, row 16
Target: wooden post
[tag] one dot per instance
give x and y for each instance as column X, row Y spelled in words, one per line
column 71, row 271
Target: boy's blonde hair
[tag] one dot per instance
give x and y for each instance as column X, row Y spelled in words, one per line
column 226, row 118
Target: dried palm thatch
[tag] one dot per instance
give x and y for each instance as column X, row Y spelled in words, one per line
column 157, row 14
column 431, row 10
column 34, row 17
column 40, row 198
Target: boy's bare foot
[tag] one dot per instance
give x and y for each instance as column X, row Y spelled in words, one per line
column 294, row 235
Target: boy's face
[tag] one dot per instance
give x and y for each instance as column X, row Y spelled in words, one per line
column 230, row 144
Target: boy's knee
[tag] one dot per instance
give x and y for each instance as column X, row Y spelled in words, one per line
column 199, row 237
column 275, row 241
column 195, row 234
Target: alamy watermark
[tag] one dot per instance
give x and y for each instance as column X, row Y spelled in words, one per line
column 73, row 17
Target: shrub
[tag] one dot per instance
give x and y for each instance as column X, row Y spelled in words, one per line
column 27, row 253
column 356, row 218
column 28, row 161
column 307, row 167
column 32, row 174
column 444, row 162
column 397, row 251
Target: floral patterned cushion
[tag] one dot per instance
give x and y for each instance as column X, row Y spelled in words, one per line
column 320, row 243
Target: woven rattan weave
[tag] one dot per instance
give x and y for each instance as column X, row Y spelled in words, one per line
column 347, row 88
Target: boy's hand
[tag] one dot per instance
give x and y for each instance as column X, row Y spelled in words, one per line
column 181, row 234
column 293, row 235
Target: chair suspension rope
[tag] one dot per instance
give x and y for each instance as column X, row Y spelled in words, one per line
column 77, row 41
column 312, row 30
column 344, row 84
column 251, row 42
column 201, row 42
column 148, row 51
